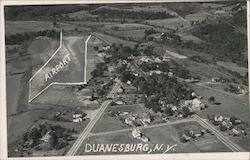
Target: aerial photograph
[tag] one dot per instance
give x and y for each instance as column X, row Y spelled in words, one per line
column 126, row 78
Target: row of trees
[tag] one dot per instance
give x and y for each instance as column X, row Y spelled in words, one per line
column 19, row 38
column 126, row 14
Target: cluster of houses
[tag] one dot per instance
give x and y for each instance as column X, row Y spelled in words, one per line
column 136, row 133
column 135, row 119
column 229, row 124
column 192, row 134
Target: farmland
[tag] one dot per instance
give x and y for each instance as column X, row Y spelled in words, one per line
column 166, row 69
column 166, row 135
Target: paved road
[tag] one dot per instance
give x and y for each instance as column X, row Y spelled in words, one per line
column 234, row 147
column 75, row 147
column 144, row 127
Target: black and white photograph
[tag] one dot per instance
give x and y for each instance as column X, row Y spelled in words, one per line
column 137, row 78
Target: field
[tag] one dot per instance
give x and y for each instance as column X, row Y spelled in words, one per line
column 12, row 95
column 233, row 67
column 230, row 105
column 166, row 135
column 171, row 23
column 25, row 120
column 108, row 123
column 199, row 68
column 111, row 39
column 13, row 27
column 66, row 96
column 197, row 17
column 127, row 26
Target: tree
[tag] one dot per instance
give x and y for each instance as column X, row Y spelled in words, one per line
column 186, row 111
column 211, row 99
column 54, row 21
column 53, row 140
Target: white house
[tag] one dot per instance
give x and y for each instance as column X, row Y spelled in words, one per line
column 197, row 105
column 136, row 133
column 46, row 137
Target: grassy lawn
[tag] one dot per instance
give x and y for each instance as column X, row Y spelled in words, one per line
column 108, row 123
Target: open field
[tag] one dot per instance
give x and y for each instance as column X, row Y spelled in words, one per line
column 20, row 123
column 59, row 95
column 127, row 26
column 233, row 67
column 81, row 14
column 171, row 23
column 230, row 105
column 13, row 27
column 12, row 94
column 111, row 39
column 170, row 135
column 185, row 37
column 197, row 16
column 108, row 123
column 199, row 68
column 166, row 135
column 130, row 34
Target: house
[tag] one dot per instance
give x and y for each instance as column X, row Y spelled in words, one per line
column 188, row 102
column 174, row 108
column 120, row 90
column 195, row 133
column 129, row 89
column 119, row 102
column 154, row 72
column 129, row 82
column 136, row 133
column 144, row 139
column 235, row 132
column 78, row 116
column 197, row 105
column 145, row 119
column 218, row 118
column 187, row 138
column 128, row 121
column 238, row 121
column 170, row 74
column 111, row 69
column 123, row 113
column 179, row 115
column 46, row 137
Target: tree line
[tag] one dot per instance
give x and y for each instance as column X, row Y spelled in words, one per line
column 19, row 38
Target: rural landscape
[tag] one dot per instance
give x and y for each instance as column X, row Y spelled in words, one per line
column 139, row 78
